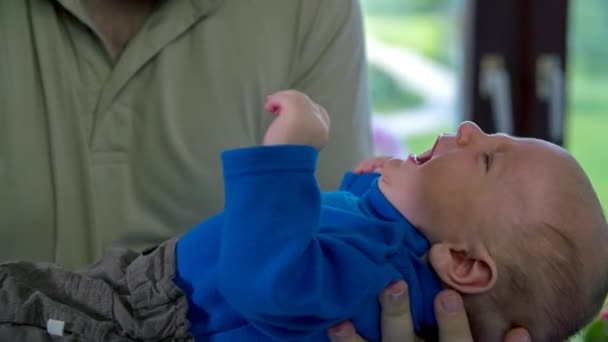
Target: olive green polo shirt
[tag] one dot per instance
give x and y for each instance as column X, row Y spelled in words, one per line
column 97, row 152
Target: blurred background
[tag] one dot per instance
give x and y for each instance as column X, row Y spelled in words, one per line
column 424, row 81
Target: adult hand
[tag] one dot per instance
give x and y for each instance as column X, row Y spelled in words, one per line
column 298, row 120
column 396, row 322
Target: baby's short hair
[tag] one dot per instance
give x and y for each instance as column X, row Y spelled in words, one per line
column 544, row 285
column 552, row 270
column 558, row 291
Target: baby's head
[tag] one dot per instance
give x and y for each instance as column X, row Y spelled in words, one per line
column 514, row 225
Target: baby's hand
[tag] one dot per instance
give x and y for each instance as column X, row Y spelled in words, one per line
column 373, row 164
column 298, row 121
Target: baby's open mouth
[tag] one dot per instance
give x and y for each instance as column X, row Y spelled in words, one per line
column 426, row 156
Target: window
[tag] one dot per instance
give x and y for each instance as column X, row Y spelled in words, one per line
column 413, row 52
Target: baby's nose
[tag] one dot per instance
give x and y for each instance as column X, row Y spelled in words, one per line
column 466, row 131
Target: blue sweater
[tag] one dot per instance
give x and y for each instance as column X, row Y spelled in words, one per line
column 284, row 262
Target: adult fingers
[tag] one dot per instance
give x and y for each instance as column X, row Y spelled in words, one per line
column 518, row 335
column 396, row 319
column 343, row 332
column 452, row 318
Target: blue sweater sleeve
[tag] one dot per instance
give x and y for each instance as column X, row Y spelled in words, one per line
column 274, row 267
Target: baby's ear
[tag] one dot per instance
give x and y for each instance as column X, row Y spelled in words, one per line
column 465, row 270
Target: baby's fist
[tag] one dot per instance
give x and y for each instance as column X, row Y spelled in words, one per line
column 299, row 121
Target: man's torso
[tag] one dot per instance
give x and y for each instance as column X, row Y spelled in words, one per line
column 96, row 151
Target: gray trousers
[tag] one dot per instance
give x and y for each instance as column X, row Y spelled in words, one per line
column 126, row 296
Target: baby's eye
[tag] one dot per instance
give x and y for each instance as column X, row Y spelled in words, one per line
column 487, row 158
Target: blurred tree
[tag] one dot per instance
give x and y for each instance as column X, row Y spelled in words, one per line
column 387, row 95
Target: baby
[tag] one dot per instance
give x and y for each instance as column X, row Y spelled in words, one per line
column 512, row 224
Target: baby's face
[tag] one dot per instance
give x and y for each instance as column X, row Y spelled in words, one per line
column 470, row 180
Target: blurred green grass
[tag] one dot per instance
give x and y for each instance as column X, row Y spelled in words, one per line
column 587, row 128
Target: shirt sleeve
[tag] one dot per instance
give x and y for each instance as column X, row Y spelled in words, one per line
column 332, row 70
column 275, row 267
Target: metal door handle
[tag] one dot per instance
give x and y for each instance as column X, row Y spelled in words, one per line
column 495, row 84
column 550, row 88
